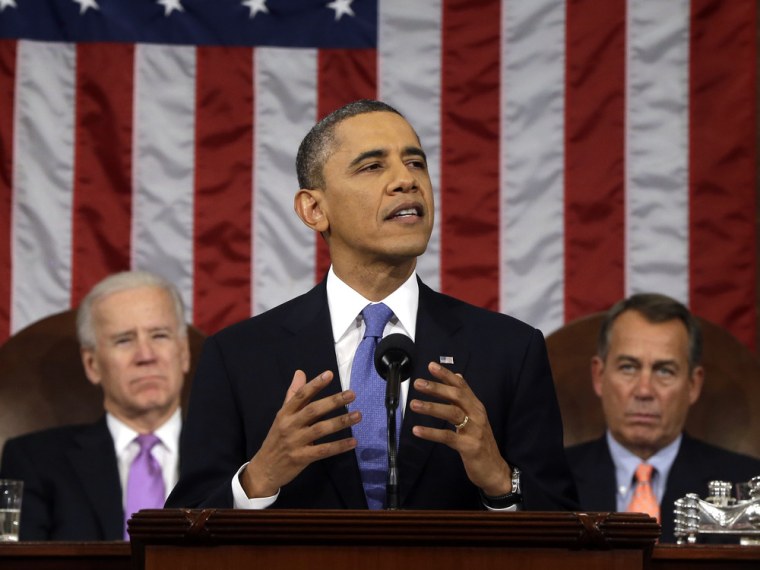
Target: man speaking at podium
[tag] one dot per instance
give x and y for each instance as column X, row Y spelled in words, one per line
column 286, row 411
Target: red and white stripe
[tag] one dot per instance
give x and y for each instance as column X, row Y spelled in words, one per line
column 581, row 150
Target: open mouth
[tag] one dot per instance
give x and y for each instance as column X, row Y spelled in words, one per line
column 406, row 211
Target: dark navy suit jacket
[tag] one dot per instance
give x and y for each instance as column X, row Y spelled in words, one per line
column 696, row 464
column 71, row 483
column 245, row 370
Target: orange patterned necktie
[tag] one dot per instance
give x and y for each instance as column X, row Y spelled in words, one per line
column 643, row 500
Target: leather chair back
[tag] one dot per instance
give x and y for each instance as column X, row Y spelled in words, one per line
column 727, row 413
column 42, row 380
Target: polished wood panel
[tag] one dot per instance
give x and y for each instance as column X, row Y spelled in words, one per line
column 118, row 556
column 66, row 556
column 435, row 540
column 706, row 557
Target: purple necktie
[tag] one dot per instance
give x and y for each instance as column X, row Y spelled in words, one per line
column 145, row 483
column 371, row 433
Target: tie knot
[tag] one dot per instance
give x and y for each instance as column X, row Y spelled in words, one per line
column 147, row 441
column 375, row 318
column 644, row 473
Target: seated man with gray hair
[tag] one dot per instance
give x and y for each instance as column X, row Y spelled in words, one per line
column 647, row 373
column 82, row 482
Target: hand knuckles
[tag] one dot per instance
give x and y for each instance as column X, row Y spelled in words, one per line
column 280, row 430
column 322, row 450
column 310, row 413
column 300, row 395
column 279, row 416
column 319, row 430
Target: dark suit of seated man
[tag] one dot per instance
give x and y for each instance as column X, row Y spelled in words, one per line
column 134, row 344
column 647, row 373
column 481, row 402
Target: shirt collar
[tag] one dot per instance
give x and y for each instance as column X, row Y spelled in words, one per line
column 345, row 304
column 626, row 462
column 123, row 435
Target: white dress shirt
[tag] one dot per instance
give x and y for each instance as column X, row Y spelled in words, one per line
column 625, row 470
column 348, row 328
column 166, row 452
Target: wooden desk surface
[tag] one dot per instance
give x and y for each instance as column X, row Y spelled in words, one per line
column 118, row 556
column 66, row 555
column 705, row 557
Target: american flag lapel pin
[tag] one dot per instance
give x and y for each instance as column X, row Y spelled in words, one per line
column 446, row 359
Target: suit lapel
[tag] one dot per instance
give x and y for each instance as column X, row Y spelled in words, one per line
column 595, row 478
column 311, row 348
column 686, row 474
column 94, row 461
column 309, row 344
column 435, row 337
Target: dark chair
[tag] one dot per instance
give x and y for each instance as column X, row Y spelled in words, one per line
column 42, row 380
column 727, row 413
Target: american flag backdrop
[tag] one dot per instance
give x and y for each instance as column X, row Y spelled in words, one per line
column 581, row 150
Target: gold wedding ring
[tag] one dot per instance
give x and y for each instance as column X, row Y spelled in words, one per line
column 464, row 423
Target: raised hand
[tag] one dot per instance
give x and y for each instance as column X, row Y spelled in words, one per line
column 472, row 437
column 289, row 446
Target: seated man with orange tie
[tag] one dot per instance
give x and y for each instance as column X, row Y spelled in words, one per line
column 83, row 482
column 647, row 373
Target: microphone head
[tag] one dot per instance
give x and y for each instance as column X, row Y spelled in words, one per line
column 394, row 349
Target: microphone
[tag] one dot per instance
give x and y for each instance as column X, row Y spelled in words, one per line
column 393, row 362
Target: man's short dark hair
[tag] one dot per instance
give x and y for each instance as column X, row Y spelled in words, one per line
column 655, row 308
column 316, row 146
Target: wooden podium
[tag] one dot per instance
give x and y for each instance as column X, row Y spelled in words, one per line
column 420, row 540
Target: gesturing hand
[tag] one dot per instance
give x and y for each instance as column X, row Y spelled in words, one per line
column 473, row 438
column 289, row 446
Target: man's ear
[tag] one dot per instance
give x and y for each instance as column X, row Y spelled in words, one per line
column 184, row 352
column 91, row 366
column 696, row 381
column 308, row 205
column 597, row 367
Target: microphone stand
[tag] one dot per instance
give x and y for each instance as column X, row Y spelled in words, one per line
column 391, row 404
column 393, row 361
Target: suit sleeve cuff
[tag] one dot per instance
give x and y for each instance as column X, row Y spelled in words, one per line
column 512, row 508
column 242, row 501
